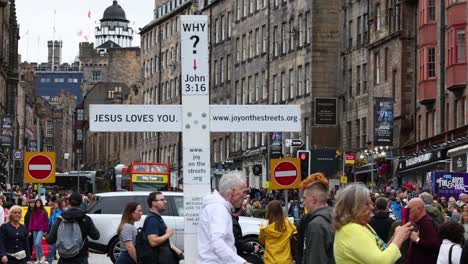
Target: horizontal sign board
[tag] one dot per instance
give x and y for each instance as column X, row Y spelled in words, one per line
column 167, row 118
column 135, row 118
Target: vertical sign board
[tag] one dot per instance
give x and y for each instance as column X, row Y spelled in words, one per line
column 195, row 125
column 383, row 121
column 325, row 111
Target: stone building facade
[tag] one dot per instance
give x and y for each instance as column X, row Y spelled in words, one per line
column 261, row 52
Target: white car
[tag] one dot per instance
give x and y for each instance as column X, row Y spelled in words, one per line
column 106, row 214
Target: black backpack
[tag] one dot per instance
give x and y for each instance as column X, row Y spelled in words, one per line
column 145, row 253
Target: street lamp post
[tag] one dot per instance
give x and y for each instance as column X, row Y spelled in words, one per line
column 376, row 152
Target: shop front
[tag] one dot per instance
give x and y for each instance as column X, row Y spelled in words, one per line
column 458, row 158
column 415, row 168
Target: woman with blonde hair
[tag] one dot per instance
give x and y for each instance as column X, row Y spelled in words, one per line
column 355, row 241
column 257, row 210
column 127, row 233
column 14, row 242
column 276, row 234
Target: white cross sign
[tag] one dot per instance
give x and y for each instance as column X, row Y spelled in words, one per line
column 196, row 118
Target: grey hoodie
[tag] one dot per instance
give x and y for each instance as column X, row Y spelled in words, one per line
column 318, row 239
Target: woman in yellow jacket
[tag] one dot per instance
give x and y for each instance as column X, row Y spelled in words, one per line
column 275, row 235
column 355, row 241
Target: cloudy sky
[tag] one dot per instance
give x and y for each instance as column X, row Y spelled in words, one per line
column 36, row 19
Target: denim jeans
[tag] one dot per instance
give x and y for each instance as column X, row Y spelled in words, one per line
column 37, row 238
column 51, row 256
column 124, row 258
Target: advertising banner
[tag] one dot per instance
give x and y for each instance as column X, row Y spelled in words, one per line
column 325, row 111
column 350, row 158
column 6, row 134
column 383, row 121
column 276, row 144
column 449, row 183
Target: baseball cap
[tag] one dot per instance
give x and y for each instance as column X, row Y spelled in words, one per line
column 75, row 198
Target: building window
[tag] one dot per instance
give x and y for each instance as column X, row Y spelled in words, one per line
column 364, row 133
column 377, row 17
column 49, row 128
column 291, row 83
column 228, row 67
column 291, row 35
column 350, row 82
column 229, row 24
column 80, row 114
column 79, row 135
column 258, row 42
column 456, row 46
column 358, row 133
column 308, row 22
column 301, row 30
column 284, row 37
column 350, row 35
column 275, row 89
column 283, row 86
column 238, row 50
column 349, row 133
column 307, row 78
column 376, row 68
column 244, row 47
column 49, row 148
column 265, row 39
column 358, row 31
column 358, row 80
column 275, row 41
column 96, row 76
column 365, row 28
column 430, row 10
column 431, row 62
column 300, row 81
column 386, row 64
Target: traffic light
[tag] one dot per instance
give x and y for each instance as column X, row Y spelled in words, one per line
column 304, row 156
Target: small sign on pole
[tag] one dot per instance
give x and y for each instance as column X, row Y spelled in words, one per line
column 18, row 154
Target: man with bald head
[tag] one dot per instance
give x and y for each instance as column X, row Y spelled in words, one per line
column 425, row 242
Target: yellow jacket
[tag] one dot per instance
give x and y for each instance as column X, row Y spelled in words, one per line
column 355, row 244
column 277, row 244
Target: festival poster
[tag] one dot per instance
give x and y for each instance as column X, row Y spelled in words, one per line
column 449, row 183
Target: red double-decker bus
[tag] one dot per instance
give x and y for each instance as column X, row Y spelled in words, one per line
column 143, row 176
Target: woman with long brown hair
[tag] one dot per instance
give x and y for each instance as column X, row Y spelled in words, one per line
column 127, row 233
column 38, row 226
column 276, row 234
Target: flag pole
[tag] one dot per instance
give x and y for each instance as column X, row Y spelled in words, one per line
column 53, row 43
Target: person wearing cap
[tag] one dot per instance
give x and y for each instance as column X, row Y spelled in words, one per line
column 75, row 213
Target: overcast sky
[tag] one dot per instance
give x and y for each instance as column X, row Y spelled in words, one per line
column 36, row 19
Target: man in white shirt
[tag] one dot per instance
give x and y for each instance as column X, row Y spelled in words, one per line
column 215, row 235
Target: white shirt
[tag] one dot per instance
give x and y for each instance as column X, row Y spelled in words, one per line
column 215, row 235
column 443, row 257
column 2, row 215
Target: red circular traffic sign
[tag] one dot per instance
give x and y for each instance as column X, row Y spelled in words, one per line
column 40, row 167
column 285, row 173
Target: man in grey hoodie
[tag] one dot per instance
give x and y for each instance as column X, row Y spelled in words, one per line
column 318, row 237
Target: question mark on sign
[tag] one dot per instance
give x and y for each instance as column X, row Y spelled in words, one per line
column 197, row 39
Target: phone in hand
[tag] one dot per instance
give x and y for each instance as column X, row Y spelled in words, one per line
column 404, row 215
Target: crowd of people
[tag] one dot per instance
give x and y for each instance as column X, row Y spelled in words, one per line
column 403, row 224
column 19, row 240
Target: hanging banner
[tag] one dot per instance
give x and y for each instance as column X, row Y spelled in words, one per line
column 6, row 134
column 383, row 121
column 276, row 144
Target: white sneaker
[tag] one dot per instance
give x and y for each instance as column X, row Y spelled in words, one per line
column 42, row 260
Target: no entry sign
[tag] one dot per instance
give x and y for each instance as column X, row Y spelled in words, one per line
column 39, row 167
column 285, row 173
